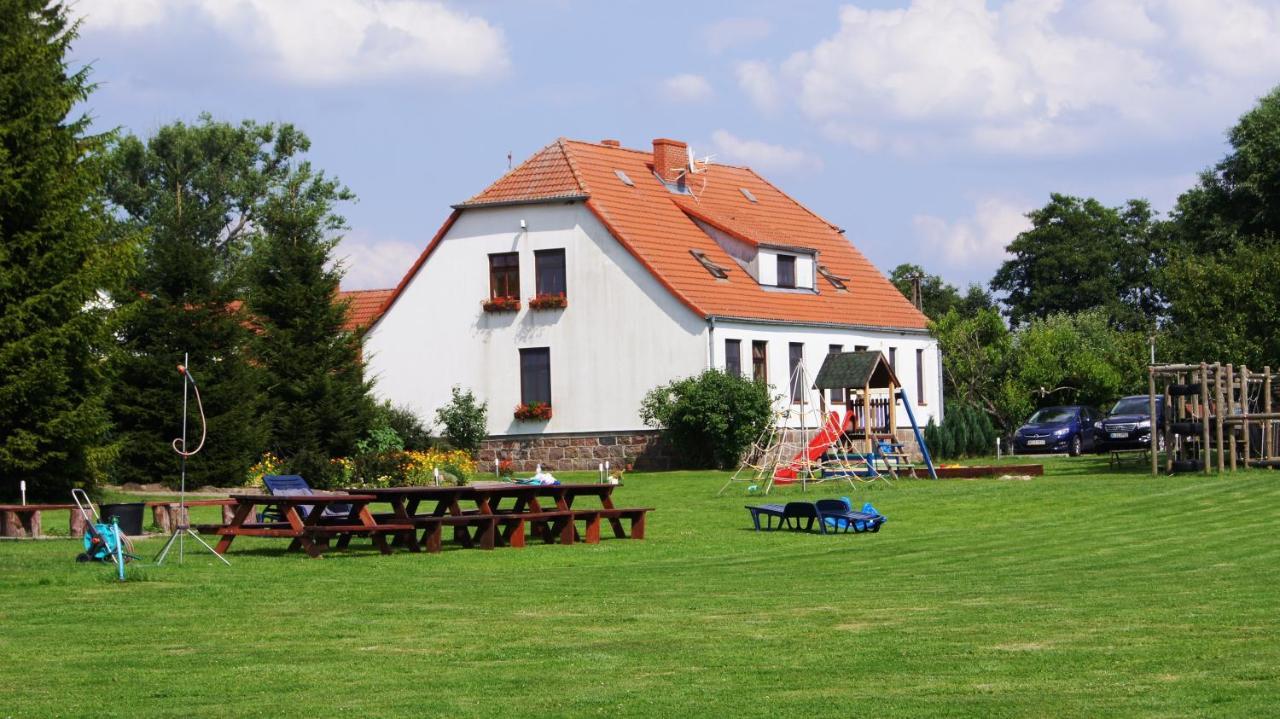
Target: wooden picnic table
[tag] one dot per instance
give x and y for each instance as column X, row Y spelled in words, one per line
column 313, row 532
column 495, row 524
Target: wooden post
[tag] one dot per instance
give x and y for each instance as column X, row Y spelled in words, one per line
column 866, row 412
column 22, row 523
column 1204, row 417
column 1231, row 410
column 1244, row 409
column 160, row 516
column 1151, row 404
column 893, row 412
column 1219, row 416
column 1266, row 407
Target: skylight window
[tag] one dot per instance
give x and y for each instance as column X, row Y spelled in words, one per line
column 623, row 177
column 747, row 194
column 716, row 271
column 836, row 282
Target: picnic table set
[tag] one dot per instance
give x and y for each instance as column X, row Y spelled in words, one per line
column 482, row 516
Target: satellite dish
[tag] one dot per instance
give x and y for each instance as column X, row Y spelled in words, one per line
column 695, row 166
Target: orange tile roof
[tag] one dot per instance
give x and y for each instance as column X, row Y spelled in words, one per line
column 365, row 307
column 657, row 227
column 548, row 175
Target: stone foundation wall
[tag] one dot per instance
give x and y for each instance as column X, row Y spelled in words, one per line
column 642, row 449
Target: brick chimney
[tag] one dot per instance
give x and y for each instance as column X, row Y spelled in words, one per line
column 670, row 157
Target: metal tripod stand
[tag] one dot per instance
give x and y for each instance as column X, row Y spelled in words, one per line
column 182, row 523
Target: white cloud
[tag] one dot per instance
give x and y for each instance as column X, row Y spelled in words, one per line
column 322, row 42
column 1026, row 76
column 976, row 242
column 734, row 31
column 371, row 263
column 760, row 155
column 760, row 84
column 686, row 88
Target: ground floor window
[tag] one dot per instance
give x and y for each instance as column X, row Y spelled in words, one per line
column 535, row 375
column 759, row 361
column 733, row 357
column 837, row 395
column 795, row 353
column 920, row 398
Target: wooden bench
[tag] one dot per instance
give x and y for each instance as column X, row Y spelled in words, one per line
column 615, row 515
column 165, row 513
column 23, row 520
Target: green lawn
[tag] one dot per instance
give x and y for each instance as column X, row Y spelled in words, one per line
column 1080, row 593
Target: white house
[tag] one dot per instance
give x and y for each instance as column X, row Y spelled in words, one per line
column 663, row 273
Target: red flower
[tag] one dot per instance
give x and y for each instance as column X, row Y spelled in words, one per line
column 533, row 411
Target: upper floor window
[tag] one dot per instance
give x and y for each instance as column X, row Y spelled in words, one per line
column 548, row 267
column 504, row 274
column 733, row 357
column 786, row 270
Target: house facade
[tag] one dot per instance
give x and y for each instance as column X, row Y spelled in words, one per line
column 591, row 273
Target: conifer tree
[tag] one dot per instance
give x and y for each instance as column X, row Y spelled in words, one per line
column 196, row 191
column 56, row 254
column 318, row 400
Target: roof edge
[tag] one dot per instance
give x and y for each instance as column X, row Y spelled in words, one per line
column 413, row 270
column 609, row 226
column 830, row 325
column 527, row 201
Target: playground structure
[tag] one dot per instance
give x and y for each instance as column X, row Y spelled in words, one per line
column 1215, row 417
column 862, row 445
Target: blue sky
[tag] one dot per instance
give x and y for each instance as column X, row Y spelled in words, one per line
column 925, row 128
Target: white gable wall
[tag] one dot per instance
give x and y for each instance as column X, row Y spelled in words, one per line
column 622, row 333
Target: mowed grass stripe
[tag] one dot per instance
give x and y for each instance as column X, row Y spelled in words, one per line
column 986, row 598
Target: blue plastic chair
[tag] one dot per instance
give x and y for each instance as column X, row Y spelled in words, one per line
column 293, row 485
column 839, row 515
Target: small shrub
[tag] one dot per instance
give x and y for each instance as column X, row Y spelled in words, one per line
column 464, row 420
column 413, row 433
column 711, row 418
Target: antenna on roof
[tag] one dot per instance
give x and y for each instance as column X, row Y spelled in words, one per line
column 695, row 166
column 508, row 159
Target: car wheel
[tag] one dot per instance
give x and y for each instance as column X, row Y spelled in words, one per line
column 1075, row 446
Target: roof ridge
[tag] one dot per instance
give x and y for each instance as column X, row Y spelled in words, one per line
column 573, row 166
column 649, row 153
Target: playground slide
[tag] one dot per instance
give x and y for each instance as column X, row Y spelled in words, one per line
column 817, row 447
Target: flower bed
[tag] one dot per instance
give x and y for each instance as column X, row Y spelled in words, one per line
column 533, row 411
column 501, row 304
column 548, row 302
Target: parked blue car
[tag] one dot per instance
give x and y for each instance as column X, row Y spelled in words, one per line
column 1070, row 429
column 1128, row 426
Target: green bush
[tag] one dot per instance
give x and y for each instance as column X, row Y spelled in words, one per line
column 405, row 423
column 709, row 419
column 464, row 420
column 965, row 432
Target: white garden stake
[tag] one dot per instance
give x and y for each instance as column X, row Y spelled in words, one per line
column 22, row 485
column 997, row 448
column 436, row 472
column 495, row 468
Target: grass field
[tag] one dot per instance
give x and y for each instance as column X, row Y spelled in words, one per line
column 1081, row 593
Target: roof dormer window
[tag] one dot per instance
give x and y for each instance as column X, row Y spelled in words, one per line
column 786, row 271
column 716, row 271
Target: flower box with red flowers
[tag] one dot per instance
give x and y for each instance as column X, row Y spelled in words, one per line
column 501, row 304
column 548, row 302
column 533, row 411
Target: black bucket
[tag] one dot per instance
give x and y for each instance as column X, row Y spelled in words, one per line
column 128, row 515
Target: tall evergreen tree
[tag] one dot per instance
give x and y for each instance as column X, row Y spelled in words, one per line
column 196, row 190
column 317, row 398
column 55, row 256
